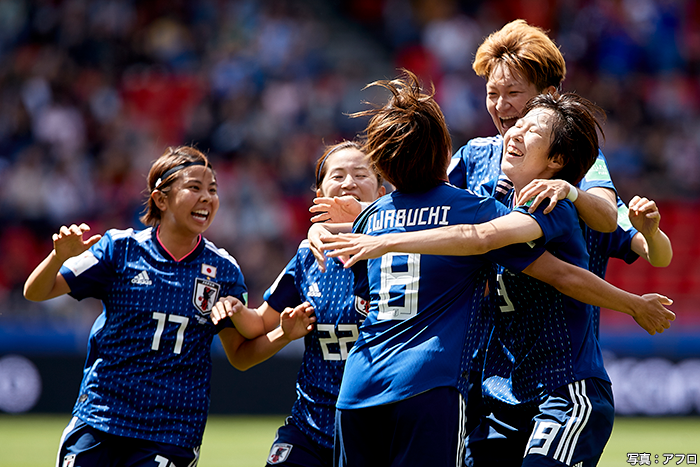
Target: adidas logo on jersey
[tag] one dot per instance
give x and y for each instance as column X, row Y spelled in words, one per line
column 141, row 279
column 314, row 291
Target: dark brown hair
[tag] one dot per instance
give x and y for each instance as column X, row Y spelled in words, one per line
column 407, row 140
column 523, row 48
column 164, row 172
column 574, row 135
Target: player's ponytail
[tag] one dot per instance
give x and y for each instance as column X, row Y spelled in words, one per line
column 407, row 139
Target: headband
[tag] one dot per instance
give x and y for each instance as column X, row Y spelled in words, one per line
column 320, row 167
column 177, row 168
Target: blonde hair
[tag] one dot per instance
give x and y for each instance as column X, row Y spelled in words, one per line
column 523, row 48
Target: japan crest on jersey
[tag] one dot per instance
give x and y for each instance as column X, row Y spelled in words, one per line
column 361, row 305
column 205, row 295
column 279, row 453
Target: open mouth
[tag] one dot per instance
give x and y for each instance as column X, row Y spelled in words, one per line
column 508, row 122
column 201, row 215
column 512, row 151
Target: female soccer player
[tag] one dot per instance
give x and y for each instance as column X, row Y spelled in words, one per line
column 306, row 439
column 518, row 62
column 401, row 399
column 144, row 396
column 543, row 377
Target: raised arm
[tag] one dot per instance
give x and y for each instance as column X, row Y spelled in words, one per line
column 597, row 206
column 651, row 243
column 454, row 240
column 292, row 323
column 647, row 310
column 46, row 281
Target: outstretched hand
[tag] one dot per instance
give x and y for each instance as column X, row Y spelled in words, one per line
column 540, row 190
column 353, row 247
column 69, row 242
column 652, row 315
column 337, row 209
column 644, row 216
column 297, row 322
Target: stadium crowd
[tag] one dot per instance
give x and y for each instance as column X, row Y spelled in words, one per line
column 91, row 90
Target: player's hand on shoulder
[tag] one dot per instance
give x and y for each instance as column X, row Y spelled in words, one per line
column 543, row 189
column 225, row 308
column 69, row 241
column 298, row 321
column 652, row 315
column 337, row 209
column 644, row 215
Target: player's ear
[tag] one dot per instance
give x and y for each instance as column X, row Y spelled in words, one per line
column 556, row 163
column 158, row 198
column 550, row 90
column 319, row 193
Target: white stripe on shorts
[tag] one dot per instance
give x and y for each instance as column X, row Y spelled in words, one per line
column 195, row 461
column 581, row 412
column 68, row 429
column 462, row 432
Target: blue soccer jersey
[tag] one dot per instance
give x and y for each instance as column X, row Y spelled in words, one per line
column 148, row 366
column 542, row 339
column 603, row 246
column 423, row 322
column 476, row 164
column 480, row 158
column 338, row 316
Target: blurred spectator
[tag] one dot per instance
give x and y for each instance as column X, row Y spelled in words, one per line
column 89, row 89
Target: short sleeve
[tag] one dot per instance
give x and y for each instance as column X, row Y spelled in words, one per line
column 92, row 273
column 598, row 176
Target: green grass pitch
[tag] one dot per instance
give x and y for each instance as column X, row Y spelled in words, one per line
column 244, row 441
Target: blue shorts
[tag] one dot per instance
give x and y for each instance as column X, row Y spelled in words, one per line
column 426, row 429
column 292, row 447
column 84, row 446
column 571, row 427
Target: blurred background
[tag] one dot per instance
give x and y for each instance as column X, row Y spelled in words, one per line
column 92, row 91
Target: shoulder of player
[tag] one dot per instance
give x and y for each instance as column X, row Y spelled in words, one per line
column 455, row 196
column 220, row 254
column 564, row 211
column 482, row 144
column 118, row 234
column 305, row 259
column 565, row 208
column 125, row 236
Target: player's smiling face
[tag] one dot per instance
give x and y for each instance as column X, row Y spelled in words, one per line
column 348, row 173
column 526, row 149
column 507, row 92
column 192, row 202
